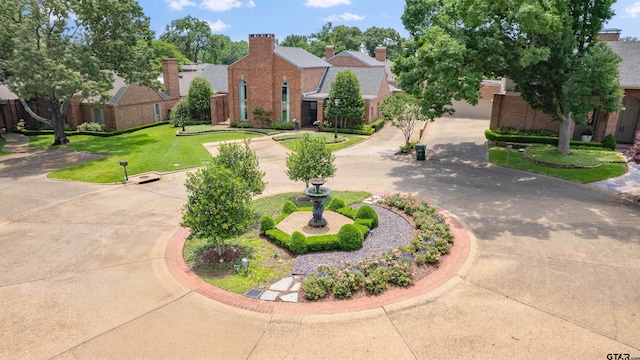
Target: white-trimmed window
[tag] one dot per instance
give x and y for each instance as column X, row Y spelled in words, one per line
column 243, row 100
column 284, row 102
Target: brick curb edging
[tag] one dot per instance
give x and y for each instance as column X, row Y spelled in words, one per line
column 445, row 271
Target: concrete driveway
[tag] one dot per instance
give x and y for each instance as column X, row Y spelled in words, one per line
column 553, row 271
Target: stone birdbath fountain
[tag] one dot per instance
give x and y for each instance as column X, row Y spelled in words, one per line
column 317, row 193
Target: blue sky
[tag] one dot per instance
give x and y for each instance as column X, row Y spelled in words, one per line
column 238, row 18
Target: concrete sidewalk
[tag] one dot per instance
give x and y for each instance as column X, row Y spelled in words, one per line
column 552, row 270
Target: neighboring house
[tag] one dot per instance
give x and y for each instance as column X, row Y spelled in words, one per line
column 294, row 84
column 510, row 110
column 11, row 110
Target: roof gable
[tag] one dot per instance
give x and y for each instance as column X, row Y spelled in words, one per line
column 370, row 79
column 360, row 56
column 217, row 76
column 300, row 57
column 629, row 51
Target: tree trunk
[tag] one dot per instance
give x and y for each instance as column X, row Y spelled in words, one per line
column 564, row 137
column 58, row 110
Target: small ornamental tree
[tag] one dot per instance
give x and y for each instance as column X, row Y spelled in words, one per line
column 312, row 159
column 345, row 87
column 243, row 164
column 199, row 98
column 404, row 111
column 179, row 113
column 263, row 115
column 218, row 205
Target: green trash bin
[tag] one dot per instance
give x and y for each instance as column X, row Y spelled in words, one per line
column 421, row 151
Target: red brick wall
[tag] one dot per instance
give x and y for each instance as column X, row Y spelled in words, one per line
column 381, row 53
column 510, row 110
column 311, row 79
column 219, row 108
column 170, row 76
column 609, row 36
column 487, row 91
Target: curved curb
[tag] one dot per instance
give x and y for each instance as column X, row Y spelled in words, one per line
column 445, row 272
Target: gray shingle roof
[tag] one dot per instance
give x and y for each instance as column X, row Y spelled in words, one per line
column 366, row 59
column 300, row 57
column 6, row 94
column 216, row 75
column 630, row 65
column 370, row 79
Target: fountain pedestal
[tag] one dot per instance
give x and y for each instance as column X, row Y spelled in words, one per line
column 317, row 193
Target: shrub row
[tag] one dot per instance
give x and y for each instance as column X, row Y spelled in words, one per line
column 92, row 133
column 607, row 143
column 240, row 124
column 281, row 125
column 366, row 130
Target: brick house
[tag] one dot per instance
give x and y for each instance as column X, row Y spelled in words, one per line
column 294, row 84
column 510, row 110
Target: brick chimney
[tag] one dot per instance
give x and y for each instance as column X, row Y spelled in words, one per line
column 329, row 51
column 262, row 44
column 609, row 35
column 170, row 77
column 381, row 53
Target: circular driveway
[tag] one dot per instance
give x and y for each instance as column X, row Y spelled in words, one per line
column 553, row 270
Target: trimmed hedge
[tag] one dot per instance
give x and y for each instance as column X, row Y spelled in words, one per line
column 364, row 222
column 347, row 211
column 289, row 207
column 336, row 204
column 281, row 125
column 524, row 139
column 350, row 237
column 609, row 142
column 280, row 218
column 367, row 212
column 378, row 124
column 364, row 229
column 92, row 133
column 240, row 124
column 279, row 237
column 323, row 243
column 298, row 243
column 367, row 130
column 266, row 223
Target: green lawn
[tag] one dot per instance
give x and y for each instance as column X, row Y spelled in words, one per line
column 498, row 155
column 2, row 142
column 152, row 149
column 291, row 140
column 579, row 157
column 200, row 129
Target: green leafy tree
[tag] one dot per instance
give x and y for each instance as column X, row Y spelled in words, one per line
column 163, row 50
column 300, row 41
column 234, row 52
column 630, row 38
column 345, row 87
column 53, row 49
column 189, row 35
column 387, row 37
column 218, row 205
column 549, row 49
column 311, row 159
column 243, row 163
column 180, row 113
column 404, row 112
column 341, row 36
column 199, row 98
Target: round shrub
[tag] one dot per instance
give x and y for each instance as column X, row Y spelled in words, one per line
column 179, row 113
column 314, row 288
column 266, row 223
column 609, row 142
column 336, row 204
column 289, row 207
column 298, row 243
column 350, row 237
column 367, row 212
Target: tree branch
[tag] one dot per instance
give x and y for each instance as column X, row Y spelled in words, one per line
column 33, row 114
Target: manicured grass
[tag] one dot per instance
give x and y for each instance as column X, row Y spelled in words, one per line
column 152, row 149
column 498, row 155
column 2, row 142
column 579, row 157
column 200, row 129
column 263, row 266
column 291, row 140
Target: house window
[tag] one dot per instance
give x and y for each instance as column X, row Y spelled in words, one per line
column 284, row 99
column 157, row 114
column 243, row 100
column 97, row 115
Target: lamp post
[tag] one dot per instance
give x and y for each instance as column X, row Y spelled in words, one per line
column 336, row 102
column 124, row 165
column 182, row 118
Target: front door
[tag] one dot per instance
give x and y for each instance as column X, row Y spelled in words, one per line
column 628, row 121
column 309, row 112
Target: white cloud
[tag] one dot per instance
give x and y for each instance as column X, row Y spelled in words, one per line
column 179, row 4
column 632, row 11
column 326, row 3
column 217, row 26
column 344, row 17
column 224, row 5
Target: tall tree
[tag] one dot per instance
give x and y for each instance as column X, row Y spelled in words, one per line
column 233, row 52
column 389, row 38
column 404, row 112
column 548, row 48
column 162, row 50
column 53, row 49
column 345, row 87
column 243, row 162
column 189, row 35
column 341, row 36
column 311, row 159
column 300, row 41
column 199, row 98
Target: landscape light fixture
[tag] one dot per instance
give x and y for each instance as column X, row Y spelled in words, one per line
column 336, row 101
column 509, row 148
column 245, row 263
column 124, row 165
